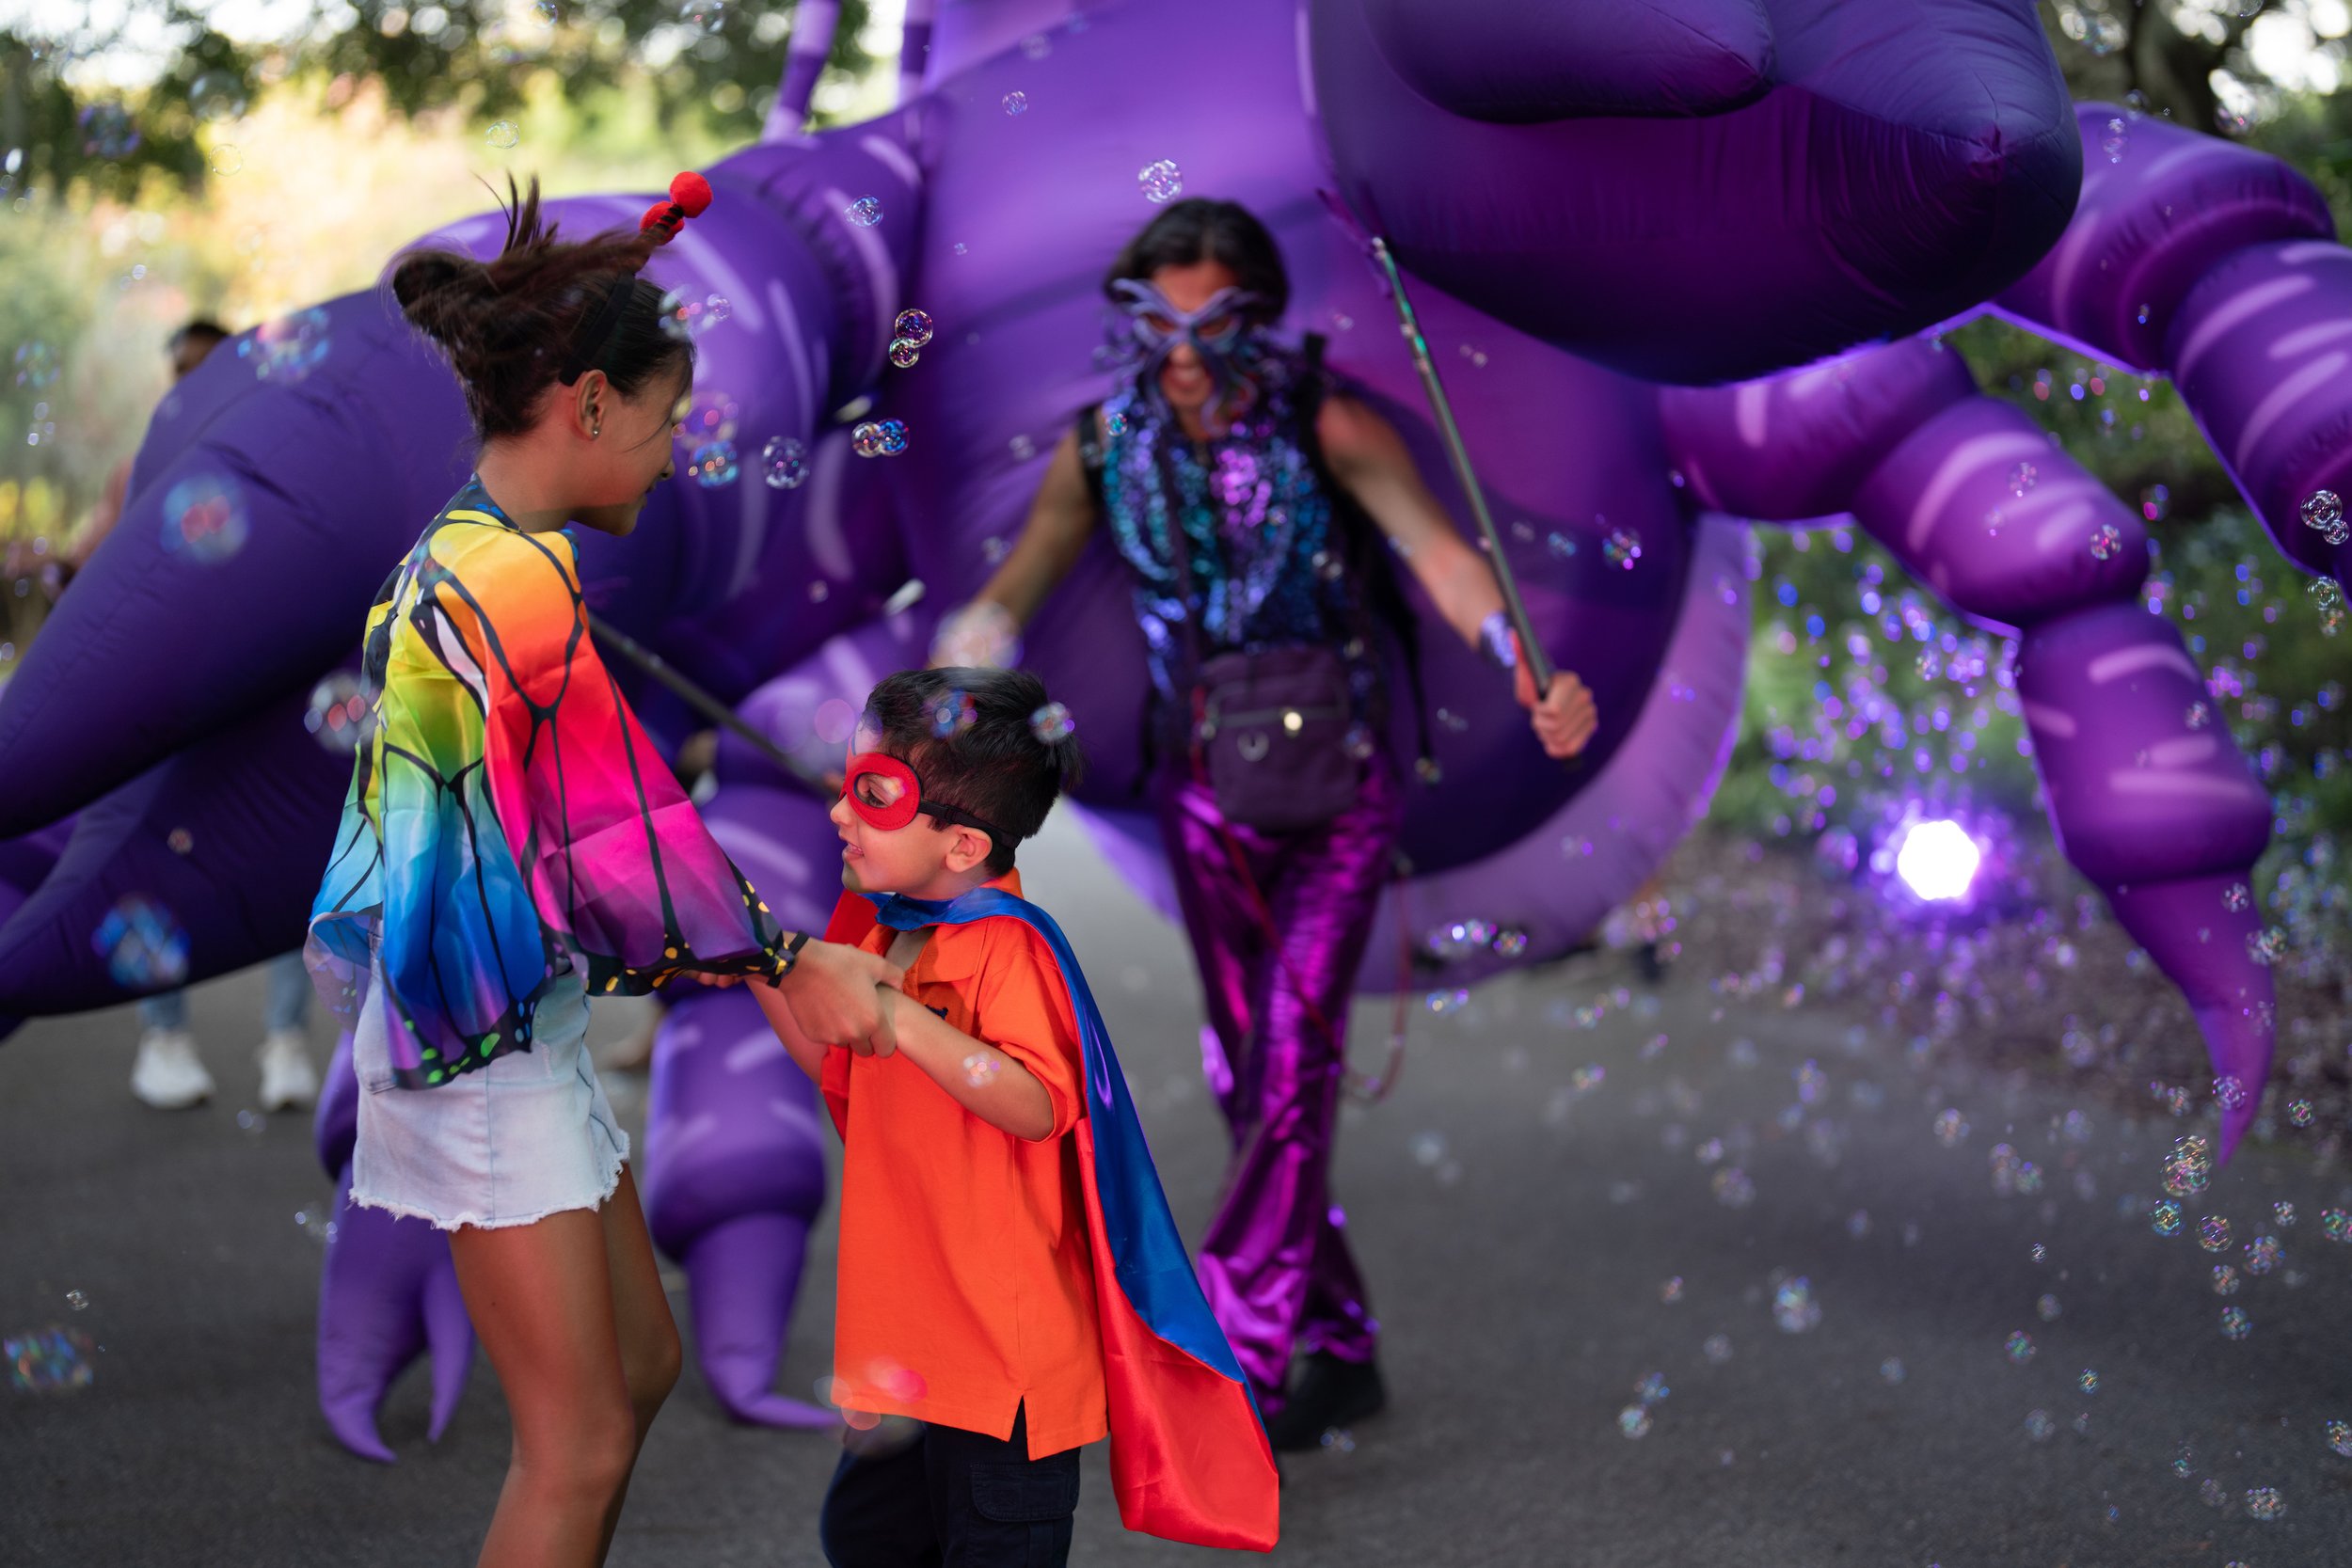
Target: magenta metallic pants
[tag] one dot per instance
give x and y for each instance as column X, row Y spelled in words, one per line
column 1275, row 1264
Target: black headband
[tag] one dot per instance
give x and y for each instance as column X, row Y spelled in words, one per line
column 596, row 330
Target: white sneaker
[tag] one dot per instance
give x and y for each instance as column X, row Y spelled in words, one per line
column 289, row 1081
column 167, row 1074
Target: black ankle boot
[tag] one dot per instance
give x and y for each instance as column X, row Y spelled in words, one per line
column 1329, row 1392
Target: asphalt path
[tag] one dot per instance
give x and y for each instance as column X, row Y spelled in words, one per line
column 1549, row 1209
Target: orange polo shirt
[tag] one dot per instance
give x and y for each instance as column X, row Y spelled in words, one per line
column 966, row 1279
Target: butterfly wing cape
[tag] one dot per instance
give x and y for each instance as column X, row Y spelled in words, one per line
column 508, row 814
column 1189, row 1457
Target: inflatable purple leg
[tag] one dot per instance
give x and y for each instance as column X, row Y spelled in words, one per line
column 2154, row 807
column 387, row 1293
column 733, row 1173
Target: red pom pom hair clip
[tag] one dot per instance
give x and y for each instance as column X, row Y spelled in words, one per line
column 689, row 195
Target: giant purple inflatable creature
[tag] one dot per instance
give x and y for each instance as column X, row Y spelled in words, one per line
column 1689, row 250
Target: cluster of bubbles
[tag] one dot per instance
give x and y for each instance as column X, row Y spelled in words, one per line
column 285, row 351
column 910, row 333
column 879, row 437
column 1160, row 180
column 50, row 1360
column 340, row 716
column 205, row 518
column 1649, row 1391
column 143, row 944
column 2323, row 512
column 2188, row 1168
column 686, row 318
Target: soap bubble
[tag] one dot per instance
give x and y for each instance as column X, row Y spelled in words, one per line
column 2323, row 512
column 2327, row 597
column 1622, row 548
column 2235, row 1325
column 1052, row 723
column 866, row 438
column 107, row 131
column 685, row 317
column 2339, row 1437
column 225, row 159
column 912, row 326
column 143, row 945
column 1733, row 1188
column 714, row 463
column 1016, row 103
column 784, row 463
column 2087, row 1382
column 865, row 212
column 2263, row 1253
column 48, row 1361
column 1891, row 1370
column 1718, row 1348
column 1161, row 180
column 2235, row 898
column 204, row 519
column 180, row 841
column 952, row 714
column 1793, row 1307
column 2023, row 478
column 1671, row 1292
column 2039, row 1426
column 2156, row 501
column 2213, row 1233
column 2283, row 1212
column 904, row 352
column 1951, row 1127
column 76, row 1300
column 2048, row 1308
column 2263, row 1503
column 980, row 1069
column 2019, row 1348
column 2229, row 1093
column 2188, row 1168
column 1634, row 1421
column 2335, row 1224
column 2106, row 540
column 502, row 134
column 37, row 364
column 218, row 95
column 1651, row 1388
column 2225, row 1280
column 704, row 16
column 286, row 351
column 340, row 715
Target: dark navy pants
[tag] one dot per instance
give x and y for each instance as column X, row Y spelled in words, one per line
column 952, row 1500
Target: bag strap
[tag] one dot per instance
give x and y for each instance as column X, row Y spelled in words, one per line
column 1365, row 540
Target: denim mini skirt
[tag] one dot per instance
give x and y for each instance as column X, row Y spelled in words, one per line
column 529, row 1136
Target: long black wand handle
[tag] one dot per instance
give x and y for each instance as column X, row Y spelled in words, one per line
column 702, row 702
column 1531, row 651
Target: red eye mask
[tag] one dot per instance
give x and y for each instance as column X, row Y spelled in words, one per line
column 909, row 802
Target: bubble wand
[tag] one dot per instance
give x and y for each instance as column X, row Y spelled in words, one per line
column 1531, row 651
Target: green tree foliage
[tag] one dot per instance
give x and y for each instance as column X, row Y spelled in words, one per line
column 704, row 60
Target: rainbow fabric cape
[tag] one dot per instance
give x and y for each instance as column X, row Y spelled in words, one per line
column 1190, row 1456
column 508, row 818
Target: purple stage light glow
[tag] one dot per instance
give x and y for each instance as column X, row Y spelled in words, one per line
column 1937, row 859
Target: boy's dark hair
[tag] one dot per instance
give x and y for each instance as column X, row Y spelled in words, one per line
column 985, row 741
column 1199, row 229
column 508, row 325
column 201, row 329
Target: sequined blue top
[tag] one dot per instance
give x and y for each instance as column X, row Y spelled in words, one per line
column 1268, row 565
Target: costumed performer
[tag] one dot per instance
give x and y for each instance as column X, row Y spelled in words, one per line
column 1255, row 506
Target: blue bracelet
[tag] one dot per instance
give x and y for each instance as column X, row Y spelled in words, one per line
column 1494, row 638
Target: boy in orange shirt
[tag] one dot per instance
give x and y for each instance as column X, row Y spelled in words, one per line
column 1008, row 1274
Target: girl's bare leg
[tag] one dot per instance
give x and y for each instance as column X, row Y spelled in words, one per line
column 542, row 1301
column 650, row 1354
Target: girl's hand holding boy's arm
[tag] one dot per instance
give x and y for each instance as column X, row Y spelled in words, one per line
column 983, row 1080
column 830, row 999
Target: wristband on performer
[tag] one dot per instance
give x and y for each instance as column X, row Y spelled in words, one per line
column 1496, row 642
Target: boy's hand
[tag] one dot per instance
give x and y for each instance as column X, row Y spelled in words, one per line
column 833, row 992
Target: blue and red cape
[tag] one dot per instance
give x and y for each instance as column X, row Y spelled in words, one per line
column 1189, row 1457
